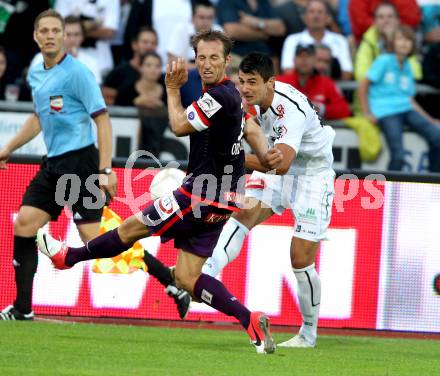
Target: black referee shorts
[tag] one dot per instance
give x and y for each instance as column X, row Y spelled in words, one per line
column 41, row 191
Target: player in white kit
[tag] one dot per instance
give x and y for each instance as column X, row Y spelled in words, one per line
column 304, row 183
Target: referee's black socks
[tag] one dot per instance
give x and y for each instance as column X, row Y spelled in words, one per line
column 25, row 264
column 158, row 270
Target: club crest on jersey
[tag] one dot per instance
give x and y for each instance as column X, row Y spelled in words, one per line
column 166, row 206
column 280, row 110
column 208, row 105
column 56, row 103
column 280, row 132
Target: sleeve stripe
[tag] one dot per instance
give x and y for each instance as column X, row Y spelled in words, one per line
column 99, row 112
column 201, row 114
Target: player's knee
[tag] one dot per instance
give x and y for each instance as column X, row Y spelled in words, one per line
column 24, row 227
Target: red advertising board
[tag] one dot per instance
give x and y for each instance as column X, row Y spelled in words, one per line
column 349, row 263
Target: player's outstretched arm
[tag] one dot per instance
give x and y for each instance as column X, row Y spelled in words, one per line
column 106, row 182
column 175, row 78
column 28, row 131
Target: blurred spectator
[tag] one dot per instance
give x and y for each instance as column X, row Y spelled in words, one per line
column 3, row 67
column 127, row 73
column 430, row 25
column 16, row 32
column 344, row 17
column 321, row 90
column 134, row 15
column 250, row 23
column 362, row 13
column 72, row 44
column 326, row 64
column 179, row 44
column 431, row 76
column 377, row 41
column 386, row 96
column 100, row 20
column 316, row 18
column 149, row 95
column 431, row 66
column 291, row 13
column 166, row 14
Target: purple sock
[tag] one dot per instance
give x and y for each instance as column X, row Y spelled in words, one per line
column 108, row 244
column 214, row 293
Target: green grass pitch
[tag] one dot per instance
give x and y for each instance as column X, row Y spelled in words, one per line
column 43, row 348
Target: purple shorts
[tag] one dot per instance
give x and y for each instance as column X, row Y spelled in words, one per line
column 194, row 226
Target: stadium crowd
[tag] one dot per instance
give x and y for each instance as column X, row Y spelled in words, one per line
column 315, row 45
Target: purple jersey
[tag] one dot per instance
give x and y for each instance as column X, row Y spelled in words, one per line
column 216, row 159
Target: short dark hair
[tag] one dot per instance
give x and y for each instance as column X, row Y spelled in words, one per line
column 257, row 62
column 213, row 35
column 198, row 3
column 48, row 13
column 71, row 20
column 153, row 54
column 144, row 29
column 309, row 48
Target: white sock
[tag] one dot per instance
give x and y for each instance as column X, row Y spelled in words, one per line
column 228, row 247
column 309, row 296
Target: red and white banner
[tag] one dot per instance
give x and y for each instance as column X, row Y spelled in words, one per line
column 380, row 267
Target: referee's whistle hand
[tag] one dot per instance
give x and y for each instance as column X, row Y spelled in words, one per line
column 108, row 183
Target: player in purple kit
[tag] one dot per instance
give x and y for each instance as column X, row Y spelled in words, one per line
column 194, row 214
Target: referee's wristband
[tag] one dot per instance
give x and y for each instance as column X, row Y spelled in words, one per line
column 106, row 171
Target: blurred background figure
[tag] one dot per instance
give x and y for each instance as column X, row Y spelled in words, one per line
column 430, row 24
column 148, row 94
column 127, row 72
column 16, row 33
column 326, row 64
column 377, row 40
column 100, row 20
column 387, row 98
column 251, row 24
column 321, row 90
column 179, row 45
column 291, row 13
column 165, row 15
column 362, row 14
column 3, row 78
column 72, row 44
column 134, row 15
column 317, row 18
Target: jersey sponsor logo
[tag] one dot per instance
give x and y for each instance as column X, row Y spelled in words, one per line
column 166, row 206
column 208, row 105
column 281, row 111
column 236, row 197
column 216, row 218
column 56, row 103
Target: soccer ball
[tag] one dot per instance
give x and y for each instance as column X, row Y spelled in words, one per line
column 166, row 181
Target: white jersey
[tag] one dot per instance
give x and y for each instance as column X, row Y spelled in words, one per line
column 291, row 120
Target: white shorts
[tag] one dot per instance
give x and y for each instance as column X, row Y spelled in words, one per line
column 309, row 197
